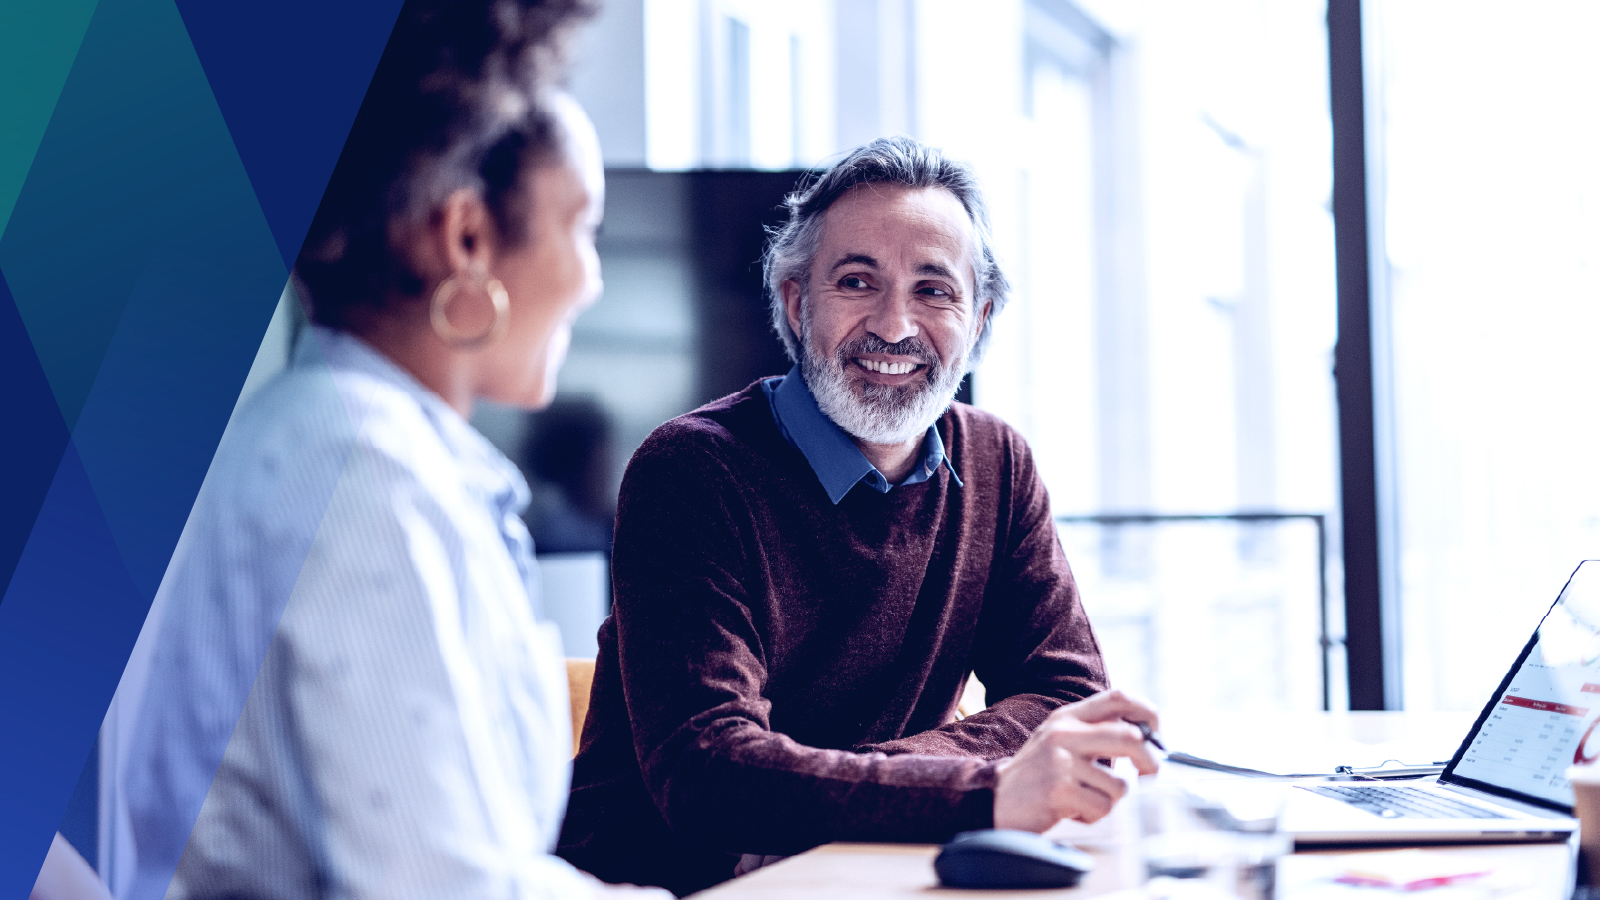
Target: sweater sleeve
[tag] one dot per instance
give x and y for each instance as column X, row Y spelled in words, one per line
column 1034, row 638
column 694, row 671
column 1034, row 649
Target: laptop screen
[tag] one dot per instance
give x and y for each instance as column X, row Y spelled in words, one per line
column 1543, row 717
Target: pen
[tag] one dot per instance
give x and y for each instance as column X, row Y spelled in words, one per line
column 1147, row 734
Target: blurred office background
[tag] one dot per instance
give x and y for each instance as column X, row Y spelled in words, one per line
column 1163, row 188
column 1160, row 176
column 1160, row 203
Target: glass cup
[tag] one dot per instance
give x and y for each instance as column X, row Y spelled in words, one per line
column 1219, row 842
column 1585, row 781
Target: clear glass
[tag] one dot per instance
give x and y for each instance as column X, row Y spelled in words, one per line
column 1225, row 845
column 1487, row 150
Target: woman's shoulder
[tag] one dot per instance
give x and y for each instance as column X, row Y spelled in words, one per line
column 308, row 427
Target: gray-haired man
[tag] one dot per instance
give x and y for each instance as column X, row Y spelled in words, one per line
column 806, row 571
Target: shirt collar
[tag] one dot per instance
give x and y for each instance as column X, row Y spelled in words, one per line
column 484, row 468
column 838, row 463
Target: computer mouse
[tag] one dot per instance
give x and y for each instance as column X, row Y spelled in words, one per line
column 1002, row 858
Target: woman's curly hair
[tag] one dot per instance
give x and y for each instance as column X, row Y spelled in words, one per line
column 457, row 101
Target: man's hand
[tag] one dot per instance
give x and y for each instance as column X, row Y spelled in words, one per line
column 1058, row 774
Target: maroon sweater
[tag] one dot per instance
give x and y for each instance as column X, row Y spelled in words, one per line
column 779, row 672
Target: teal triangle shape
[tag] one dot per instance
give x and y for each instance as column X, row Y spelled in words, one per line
column 144, row 275
column 144, row 271
column 38, row 41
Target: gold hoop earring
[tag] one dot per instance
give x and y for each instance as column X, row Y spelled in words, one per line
column 446, row 291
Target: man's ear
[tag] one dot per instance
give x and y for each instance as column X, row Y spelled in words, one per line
column 983, row 320
column 791, row 303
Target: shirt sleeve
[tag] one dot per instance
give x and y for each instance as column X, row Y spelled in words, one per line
column 426, row 708
column 694, row 671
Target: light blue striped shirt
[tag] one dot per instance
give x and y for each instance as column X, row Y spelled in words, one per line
column 407, row 735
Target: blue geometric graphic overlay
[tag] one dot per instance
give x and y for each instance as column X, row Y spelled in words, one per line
column 136, row 166
column 288, row 77
column 168, row 383
column 141, row 269
column 65, row 628
column 38, row 437
column 38, row 40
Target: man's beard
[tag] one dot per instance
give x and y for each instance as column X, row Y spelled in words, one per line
column 880, row 413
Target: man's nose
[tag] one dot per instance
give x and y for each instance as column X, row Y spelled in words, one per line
column 892, row 319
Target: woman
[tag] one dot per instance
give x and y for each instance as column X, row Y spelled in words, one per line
column 355, row 564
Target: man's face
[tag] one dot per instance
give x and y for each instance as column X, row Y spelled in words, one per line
column 890, row 315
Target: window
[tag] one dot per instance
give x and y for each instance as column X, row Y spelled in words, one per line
column 1161, row 208
column 1488, row 218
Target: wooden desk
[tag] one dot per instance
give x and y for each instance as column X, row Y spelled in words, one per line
column 905, row 871
column 895, row 871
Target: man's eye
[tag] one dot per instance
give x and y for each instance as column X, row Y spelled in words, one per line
column 852, row 282
column 935, row 292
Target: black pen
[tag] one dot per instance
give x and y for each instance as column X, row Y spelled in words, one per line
column 1147, row 734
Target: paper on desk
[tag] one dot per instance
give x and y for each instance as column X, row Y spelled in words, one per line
column 1434, row 877
column 1409, row 870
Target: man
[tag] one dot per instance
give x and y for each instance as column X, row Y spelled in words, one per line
column 805, row 573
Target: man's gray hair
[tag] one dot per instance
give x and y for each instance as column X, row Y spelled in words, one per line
column 897, row 160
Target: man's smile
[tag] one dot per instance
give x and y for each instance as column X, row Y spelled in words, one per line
column 890, row 371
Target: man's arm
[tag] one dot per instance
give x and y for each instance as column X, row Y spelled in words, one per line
column 1034, row 649
column 1040, row 665
column 694, row 675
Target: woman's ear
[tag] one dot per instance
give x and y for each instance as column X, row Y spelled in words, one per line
column 466, row 232
column 458, row 236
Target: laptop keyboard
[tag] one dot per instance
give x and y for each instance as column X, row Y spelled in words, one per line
column 1393, row 802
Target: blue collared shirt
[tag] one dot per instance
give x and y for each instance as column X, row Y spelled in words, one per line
column 839, row 463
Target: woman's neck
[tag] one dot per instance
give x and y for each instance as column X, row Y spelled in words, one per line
column 413, row 346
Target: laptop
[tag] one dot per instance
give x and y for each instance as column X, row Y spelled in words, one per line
column 1507, row 781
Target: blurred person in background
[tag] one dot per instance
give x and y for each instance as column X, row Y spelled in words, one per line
column 356, row 565
column 566, row 452
column 806, row 572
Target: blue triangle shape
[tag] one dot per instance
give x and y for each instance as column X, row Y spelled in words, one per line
column 144, row 273
column 94, row 201
column 28, row 463
column 67, row 621
column 289, row 77
column 144, row 270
